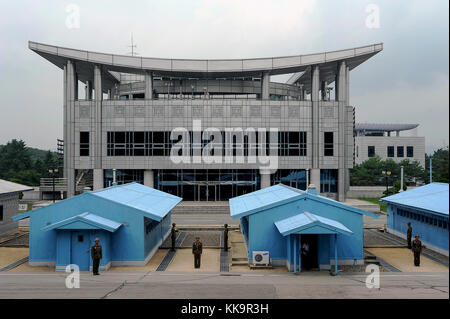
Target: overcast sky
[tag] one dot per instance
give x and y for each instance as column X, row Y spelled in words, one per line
column 408, row 82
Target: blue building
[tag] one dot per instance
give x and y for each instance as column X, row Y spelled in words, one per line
column 131, row 221
column 281, row 219
column 426, row 208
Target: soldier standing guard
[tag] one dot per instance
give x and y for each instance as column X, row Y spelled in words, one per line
column 417, row 249
column 225, row 237
column 409, row 235
column 173, row 234
column 96, row 254
column 197, row 249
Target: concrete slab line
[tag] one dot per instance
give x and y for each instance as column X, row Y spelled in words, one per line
column 15, row 264
column 170, row 254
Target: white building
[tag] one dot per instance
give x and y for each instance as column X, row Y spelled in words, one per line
column 377, row 139
column 9, row 204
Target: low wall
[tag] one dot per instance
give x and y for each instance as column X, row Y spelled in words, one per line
column 368, row 191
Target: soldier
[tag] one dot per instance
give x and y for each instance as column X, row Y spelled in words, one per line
column 225, row 237
column 173, row 233
column 96, row 254
column 417, row 248
column 409, row 235
column 197, row 249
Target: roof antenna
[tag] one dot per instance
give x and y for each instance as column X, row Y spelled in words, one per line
column 132, row 46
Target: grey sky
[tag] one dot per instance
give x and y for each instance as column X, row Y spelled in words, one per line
column 407, row 83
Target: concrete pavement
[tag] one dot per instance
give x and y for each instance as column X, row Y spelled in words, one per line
column 223, row 286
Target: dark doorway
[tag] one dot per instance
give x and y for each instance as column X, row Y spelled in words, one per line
column 309, row 250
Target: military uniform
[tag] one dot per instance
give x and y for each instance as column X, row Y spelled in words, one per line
column 173, row 234
column 417, row 249
column 225, row 238
column 409, row 236
column 96, row 254
column 197, row 248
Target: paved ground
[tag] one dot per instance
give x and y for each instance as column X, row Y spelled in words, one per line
column 184, row 261
column 215, row 285
column 8, row 255
column 403, row 259
column 203, row 219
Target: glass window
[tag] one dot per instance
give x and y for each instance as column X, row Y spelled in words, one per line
column 328, row 180
column 328, row 144
column 371, row 151
column 84, row 143
column 390, row 151
column 400, row 151
column 410, row 151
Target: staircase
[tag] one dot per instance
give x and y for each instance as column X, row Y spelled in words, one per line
column 202, row 208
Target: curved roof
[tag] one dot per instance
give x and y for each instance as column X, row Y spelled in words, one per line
column 195, row 68
column 384, row 127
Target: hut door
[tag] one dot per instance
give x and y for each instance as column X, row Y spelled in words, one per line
column 80, row 250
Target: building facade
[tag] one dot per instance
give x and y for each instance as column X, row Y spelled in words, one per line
column 377, row 139
column 426, row 208
column 208, row 130
column 280, row 220
column 9, row 204
column 131, row 221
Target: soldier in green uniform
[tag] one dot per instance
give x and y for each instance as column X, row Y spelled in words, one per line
column 225, row 237
column 409, row 235
column 173, row 234
column 417, row 248
column 96, row 254
column 197, row 248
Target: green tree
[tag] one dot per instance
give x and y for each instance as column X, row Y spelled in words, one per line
column 440, row 166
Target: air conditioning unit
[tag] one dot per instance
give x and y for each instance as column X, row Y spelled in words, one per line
column 261, row 258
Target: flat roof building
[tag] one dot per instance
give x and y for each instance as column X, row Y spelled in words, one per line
column 280, row 220
column 426, row 208
column 131, row 221
column 9, row 204
column 208, row 130
column 377, row 139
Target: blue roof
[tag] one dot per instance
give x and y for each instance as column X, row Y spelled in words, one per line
column 276, row 195
column 154, row 203
column 96, row 222
column 150, row 202
column 302, row 222
column 431, row 197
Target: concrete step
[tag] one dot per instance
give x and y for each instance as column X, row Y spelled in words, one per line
column 239, row 263
column 202, row 208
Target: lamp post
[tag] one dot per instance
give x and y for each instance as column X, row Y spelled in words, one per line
column 386, row 173
column 53, row 171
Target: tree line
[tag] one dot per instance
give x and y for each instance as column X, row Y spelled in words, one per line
column 26, row 165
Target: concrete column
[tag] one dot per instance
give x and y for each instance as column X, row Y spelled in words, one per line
column 148, row 86
column 69, row 139
column 315, row 116
column 149, row 178
column 265, row 80
column 315, row 178
column 265, row 178
column 341, row 91
column 109, row 95
column 97, row 151
column 98, row 178
column 88, row 89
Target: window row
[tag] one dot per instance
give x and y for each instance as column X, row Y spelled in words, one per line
column 391, row 151
column 160, row 143
column 438, row 222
